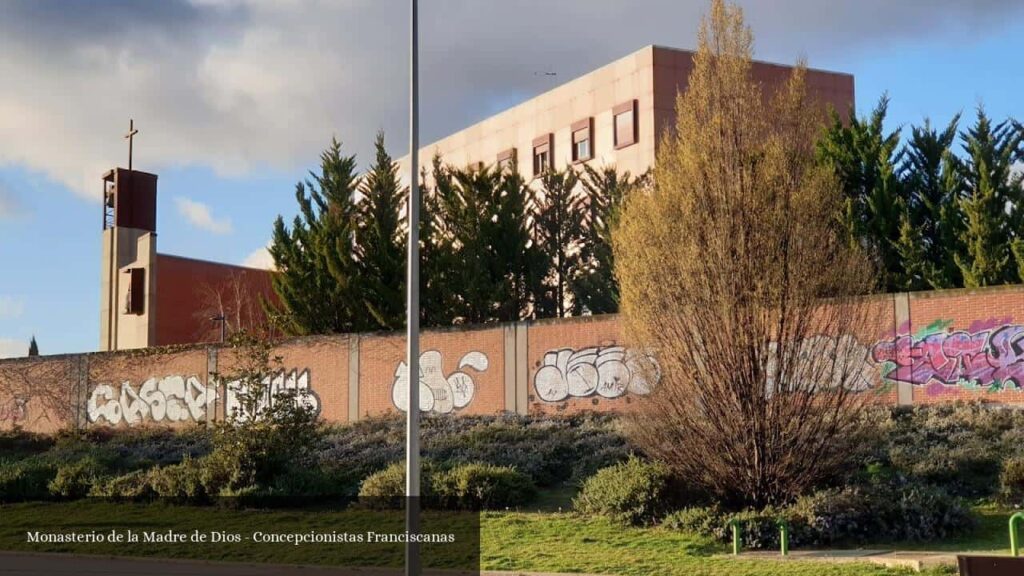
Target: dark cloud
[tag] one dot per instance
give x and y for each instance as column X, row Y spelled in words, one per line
column 235, row 84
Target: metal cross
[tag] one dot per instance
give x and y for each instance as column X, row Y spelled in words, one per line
column 130, row 137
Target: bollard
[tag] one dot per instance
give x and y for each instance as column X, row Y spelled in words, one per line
column 1014, row 540
column 783, row 536
column 734, row 524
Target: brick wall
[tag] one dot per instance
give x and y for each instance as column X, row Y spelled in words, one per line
column 922, row 348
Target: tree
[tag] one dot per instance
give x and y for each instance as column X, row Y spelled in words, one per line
column 989, row 205
column 865, row 159
column 734, row 275
column 932, row 175
column 380, row 244
column 481, row 225
column 33, row 348
column 558, row 212
column 315, row 258
column 595, row 289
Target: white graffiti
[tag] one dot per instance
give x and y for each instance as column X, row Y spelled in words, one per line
column 609, row 372
column 168, row 399
column 438, row 393
column 293, row 385
column 823, row 363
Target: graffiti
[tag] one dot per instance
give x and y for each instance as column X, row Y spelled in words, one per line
column 825, row 363
column 609, row 372
column 438, row 393
column 981, row 357
column 293, row 386
column 168, row 399
column 14, row 411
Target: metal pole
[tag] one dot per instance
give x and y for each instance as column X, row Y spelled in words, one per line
column 412, row 321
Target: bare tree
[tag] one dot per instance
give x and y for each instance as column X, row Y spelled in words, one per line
column 235, row 303
column 734, row 276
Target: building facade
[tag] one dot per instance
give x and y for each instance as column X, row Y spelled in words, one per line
column 614, row 115
column 152, row 299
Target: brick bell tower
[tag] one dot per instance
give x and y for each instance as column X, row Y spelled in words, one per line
column 128, row 271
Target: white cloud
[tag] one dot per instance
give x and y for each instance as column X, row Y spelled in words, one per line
column 200, row 216
column 241, row 84
column 11, row 307
column 259, row 258
column 10, row 348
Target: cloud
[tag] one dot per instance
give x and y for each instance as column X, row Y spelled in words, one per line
column 10, row 348
column 200, row 216
column 10, row 204
column 11, row 307
column 259, row 258
column 237, row 85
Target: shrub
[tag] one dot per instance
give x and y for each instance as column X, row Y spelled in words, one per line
column 182, row 482
column 385, row 489
column 133, row 486
column 26, row 480
column 633, row 492
column 482, row 486
column 1011, row 482
column 76, row 479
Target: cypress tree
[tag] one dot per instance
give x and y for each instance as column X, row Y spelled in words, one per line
column 989, row 203
column 558, row 213
column 380, row 244
column 865, row 158
column 33, row 348
column 595, row 289
column 315, row 283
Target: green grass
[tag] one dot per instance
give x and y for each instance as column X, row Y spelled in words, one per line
column 510, row 541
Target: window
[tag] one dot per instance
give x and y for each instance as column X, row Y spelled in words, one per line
column 136, row 291
column 582, row 140
column 625, row 124
column 506, row 159
column 541, row 154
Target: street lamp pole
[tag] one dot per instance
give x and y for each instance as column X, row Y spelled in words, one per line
column 412, row 321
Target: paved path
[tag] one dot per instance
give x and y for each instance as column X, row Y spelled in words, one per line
column 40, row 564
column 913, row 560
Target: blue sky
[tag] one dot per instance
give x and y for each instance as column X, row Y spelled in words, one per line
column 235, row 98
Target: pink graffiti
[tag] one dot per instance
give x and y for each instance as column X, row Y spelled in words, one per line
column 987, row 357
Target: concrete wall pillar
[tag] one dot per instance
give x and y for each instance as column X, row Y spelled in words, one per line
column 213, row 386
column 517, row 370
column 353, row 378
column 901, row 306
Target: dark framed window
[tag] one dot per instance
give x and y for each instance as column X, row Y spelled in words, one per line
column 583, row 140
column 135, row 302
column 506, row 158
column 625, row 124
column 542, row 154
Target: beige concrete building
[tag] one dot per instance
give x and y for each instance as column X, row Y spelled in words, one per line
column 611, row 116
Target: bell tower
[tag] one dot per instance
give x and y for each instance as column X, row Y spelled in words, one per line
column 128, row 271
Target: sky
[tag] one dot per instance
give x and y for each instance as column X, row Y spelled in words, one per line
column 235, row 99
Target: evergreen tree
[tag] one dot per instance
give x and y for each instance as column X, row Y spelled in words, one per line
column 934, row 185
column 33, row 348
column 438, row 268
column 380, row 244
column 558, row 212
column 316, row 279
column 595, row 289
column 989, row 204
column 514, row 256
column 865, row 159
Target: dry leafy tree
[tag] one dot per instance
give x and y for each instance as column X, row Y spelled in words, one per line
column 735, row 277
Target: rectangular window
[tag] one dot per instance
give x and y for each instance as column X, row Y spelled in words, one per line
column 582, row 140
column 625, row 124
column 136, row 291
column 506, row 159
column 542, row 154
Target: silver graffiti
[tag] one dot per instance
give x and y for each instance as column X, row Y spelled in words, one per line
column 168, row 399
column 438, row 393
column 293, row 385
column 609, row 372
